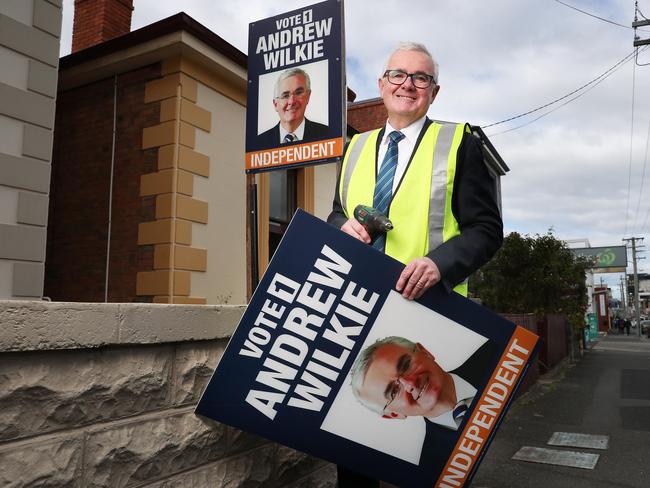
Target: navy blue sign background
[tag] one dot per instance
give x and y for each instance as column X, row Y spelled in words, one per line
column 332, row 52
column 225, row 397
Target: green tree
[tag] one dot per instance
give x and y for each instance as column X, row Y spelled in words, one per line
column 534, row 275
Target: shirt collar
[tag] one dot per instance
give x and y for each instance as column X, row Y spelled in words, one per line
column 411, row 132
column 299, row 132
column 464, row 391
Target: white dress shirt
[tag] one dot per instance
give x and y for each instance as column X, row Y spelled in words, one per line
column 404, row 147
column 298, row 133
column 464, row 394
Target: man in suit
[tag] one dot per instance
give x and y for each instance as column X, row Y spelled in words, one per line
column 428, row 177
column 398, row 378
column 291, row 97
column 474, row 370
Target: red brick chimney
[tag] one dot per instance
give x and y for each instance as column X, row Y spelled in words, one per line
column 96, row 21
column 367, row 114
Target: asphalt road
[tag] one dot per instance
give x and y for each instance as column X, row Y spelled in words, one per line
column 606, row 393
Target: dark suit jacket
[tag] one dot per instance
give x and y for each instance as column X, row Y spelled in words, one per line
column 313, row 132
column 475, row 370
column 474, row 204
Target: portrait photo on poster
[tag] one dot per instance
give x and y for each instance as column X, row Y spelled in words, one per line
column 293, row 105
column 416, row 367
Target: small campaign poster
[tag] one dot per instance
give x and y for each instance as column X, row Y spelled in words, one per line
column 295, row 113
column 329, row 359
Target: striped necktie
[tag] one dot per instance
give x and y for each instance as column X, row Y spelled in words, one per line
column 459, row 413
column 289, row 138
column 384, row 184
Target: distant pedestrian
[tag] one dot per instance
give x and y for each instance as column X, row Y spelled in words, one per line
column 627, row 325
column 621, row 324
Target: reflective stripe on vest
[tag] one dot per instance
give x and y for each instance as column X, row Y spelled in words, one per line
column 438, row 196
column 357, row 143
column 430, row 175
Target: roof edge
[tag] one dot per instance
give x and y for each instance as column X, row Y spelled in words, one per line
column 178, row 22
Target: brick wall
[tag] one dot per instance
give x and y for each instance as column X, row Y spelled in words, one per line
column 108, row 402
column 80, row 186
column 367, row 115
column 129, row 209
column 96, row 21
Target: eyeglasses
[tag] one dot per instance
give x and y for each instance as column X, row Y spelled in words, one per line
column 395, row 387
column 398, row 77
column 299, row 92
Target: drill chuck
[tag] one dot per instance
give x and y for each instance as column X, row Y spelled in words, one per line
column 373, row 220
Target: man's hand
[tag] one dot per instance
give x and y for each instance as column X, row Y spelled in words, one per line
column 418, row 276
column 356, row 230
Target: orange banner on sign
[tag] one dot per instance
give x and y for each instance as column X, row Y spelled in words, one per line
column 471, row 443
column 295, row 154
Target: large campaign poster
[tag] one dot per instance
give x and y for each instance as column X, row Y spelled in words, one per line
column 295, row 112
column 329, row 359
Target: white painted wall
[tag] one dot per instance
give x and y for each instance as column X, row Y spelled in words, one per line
column 225, row 235
column 6, row 278
column 20, row 10
column 14, row 68
column 8, row 205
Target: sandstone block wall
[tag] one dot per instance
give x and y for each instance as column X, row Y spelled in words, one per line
column 106, row 399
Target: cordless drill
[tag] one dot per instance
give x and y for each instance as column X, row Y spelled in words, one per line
column 373, row 220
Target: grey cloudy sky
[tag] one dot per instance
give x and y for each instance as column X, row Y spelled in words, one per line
column 576, row 170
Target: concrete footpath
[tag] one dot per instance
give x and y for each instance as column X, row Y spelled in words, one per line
column 606, row 393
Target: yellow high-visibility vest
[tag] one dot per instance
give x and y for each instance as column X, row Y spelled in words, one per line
column 418, row 227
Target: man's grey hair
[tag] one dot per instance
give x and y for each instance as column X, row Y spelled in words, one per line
column 288, row 73
column 414, row 46
column 364, row 360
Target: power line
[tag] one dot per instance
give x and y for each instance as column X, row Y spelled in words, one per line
column 636, row 59
column 603, row 75
column 645, row 161
column 594, row 16
column 647, row 143
column 629, row 175
column 554, row 108
column 637, row 12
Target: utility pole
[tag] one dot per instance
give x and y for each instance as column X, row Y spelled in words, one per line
column 637, row 312
column 623, row 287
column 639, row 23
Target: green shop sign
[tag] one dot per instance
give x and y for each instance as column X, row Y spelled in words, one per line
column 604, row 257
